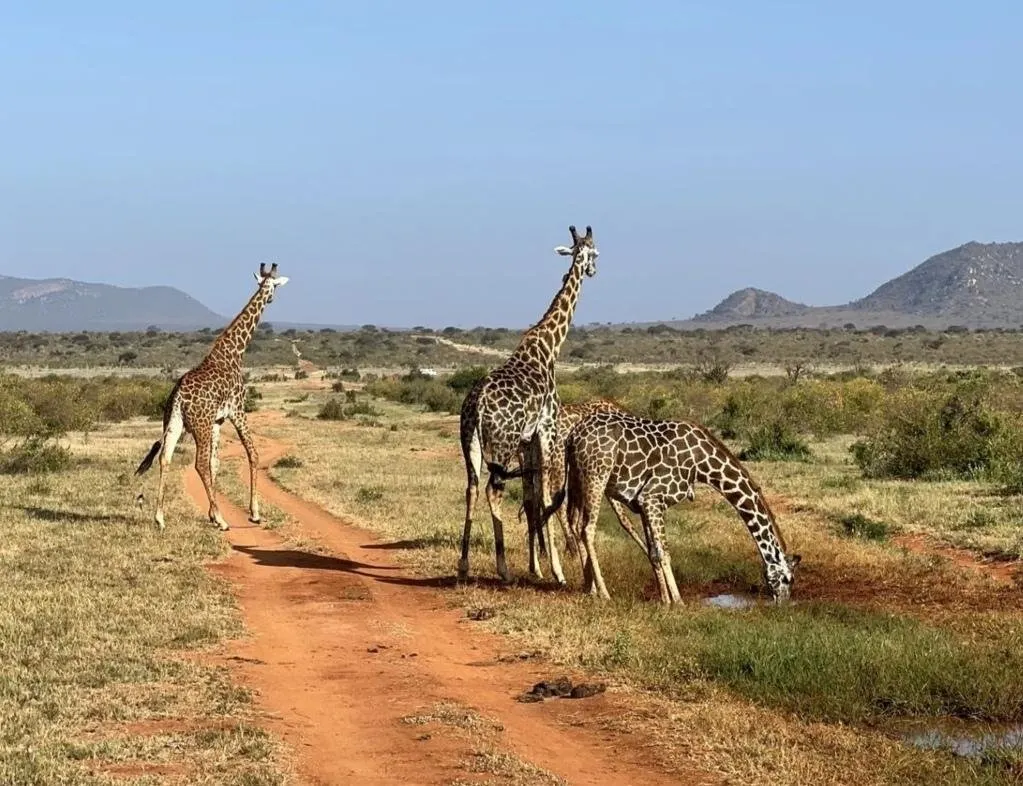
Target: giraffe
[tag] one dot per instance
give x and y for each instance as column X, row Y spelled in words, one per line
column 568, row 417
column 516, row 402
column 649, row 466
column 209, row 394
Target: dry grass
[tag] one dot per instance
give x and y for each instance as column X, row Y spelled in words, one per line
column 486, row 760
column 100, row 619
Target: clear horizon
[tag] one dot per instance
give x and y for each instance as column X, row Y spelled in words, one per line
column 413, row 165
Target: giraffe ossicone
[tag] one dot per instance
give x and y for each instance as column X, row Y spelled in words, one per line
column 207, row 395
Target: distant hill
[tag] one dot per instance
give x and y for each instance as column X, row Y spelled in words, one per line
column 62, row 305
column 976, row 285
column 753, row 303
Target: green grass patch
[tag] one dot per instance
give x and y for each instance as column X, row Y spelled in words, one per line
column 856, row 525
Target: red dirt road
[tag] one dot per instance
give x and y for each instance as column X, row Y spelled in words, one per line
column 343, row 645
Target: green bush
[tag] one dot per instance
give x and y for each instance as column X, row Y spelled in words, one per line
column 252, row 399
column 930, row 434
column 34, row 456
column 414, row 388
column 332, row 410
column 775, row 442
column 289, row 462
column 464, row 378
column 857, row 525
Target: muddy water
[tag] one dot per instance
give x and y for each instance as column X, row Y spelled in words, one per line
column 964, row 738
column 730, row 601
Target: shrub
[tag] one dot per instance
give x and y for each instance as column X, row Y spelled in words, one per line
column 414, row 388
column 859, row 526
column 369, row 494
column 332, row 410
column 338, row 387
column 252, row 398
column 775, row 442
column 35, row 456
column 289, row 462
column 464, row 378
column 301, row 374
column 362, row 408
column 926, row 434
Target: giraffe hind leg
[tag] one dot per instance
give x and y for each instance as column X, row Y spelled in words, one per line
column 495, row 493
column 171, row 435
column 204, row 466
column 473, row 465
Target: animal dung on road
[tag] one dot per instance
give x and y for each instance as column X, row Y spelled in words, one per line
column 561, row 687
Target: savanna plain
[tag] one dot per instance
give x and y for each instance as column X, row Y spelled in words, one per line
column 896, row 472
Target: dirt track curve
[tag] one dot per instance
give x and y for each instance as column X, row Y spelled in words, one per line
column 344, row 644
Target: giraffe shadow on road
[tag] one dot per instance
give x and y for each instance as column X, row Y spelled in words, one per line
column 293, row 558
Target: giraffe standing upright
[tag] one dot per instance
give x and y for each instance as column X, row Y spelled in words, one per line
column 516, row 402
column 209, row 394
column 649, row 466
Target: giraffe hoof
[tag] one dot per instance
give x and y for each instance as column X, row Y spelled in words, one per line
column 256, row 520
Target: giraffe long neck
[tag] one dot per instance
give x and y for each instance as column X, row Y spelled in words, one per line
column 543, row 341
column 234, row 339
column 734, row 483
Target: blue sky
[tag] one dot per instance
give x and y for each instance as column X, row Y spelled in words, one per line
column 415, row 163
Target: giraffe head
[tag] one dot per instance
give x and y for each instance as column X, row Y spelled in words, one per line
column 269, row 280
column 780, row 576
column 583, row 251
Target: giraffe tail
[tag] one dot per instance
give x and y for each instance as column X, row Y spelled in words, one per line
column 168, row 408
column 147, row 462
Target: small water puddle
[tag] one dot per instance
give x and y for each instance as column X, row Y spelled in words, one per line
column 963, row 738
column 728, row 601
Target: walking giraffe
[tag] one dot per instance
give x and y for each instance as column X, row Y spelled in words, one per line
column 518, row 401
column 649, row 466
column 209, row 394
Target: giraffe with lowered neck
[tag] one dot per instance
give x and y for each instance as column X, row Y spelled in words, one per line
column 516, row 403
column 209, row 394
column 648, row 466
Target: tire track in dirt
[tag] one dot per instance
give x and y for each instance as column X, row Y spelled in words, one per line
column 1001, row 571
column 345, row 644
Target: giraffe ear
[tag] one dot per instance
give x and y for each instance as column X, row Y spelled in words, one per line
column 258, row 279
column 565, row 251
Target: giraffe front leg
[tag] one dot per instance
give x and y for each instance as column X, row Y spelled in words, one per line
column 591, row 567
column 647, row 543
column 241, row 426
column 204, row 466
column 660, row 559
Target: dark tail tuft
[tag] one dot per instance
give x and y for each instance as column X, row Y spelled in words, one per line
column 147, row 462
column 556, row 502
